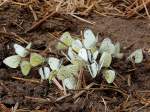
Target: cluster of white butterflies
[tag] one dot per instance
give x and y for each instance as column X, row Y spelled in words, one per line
column 81, row 54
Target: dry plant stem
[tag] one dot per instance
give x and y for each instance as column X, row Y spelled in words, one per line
column 81, row 92
column 58, row 84
column 39, row 100
column 104, row 104
column 137, row 9
column 146, row 9
column 5, row 1
column 37, row 24
column 33, row 12
column 62, row 97
column 26, row 80
column 12, row 35
column 83, row 20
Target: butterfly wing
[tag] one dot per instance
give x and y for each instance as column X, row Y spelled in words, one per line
column 70, row 82
column 105, row 59
column 21, row 51
column 25, row 67
column 109, row 75
column 12, row 61
column 89, row 39
column 93, row 68
column 44, row 72
column 67, row 71
column 83, row 54
column 137, row 55
column 76, row 45
column 54, row 63
column 36, row 59
column 66, row 39
column 107, row 46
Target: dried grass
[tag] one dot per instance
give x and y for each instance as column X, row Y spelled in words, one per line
column 123, row 8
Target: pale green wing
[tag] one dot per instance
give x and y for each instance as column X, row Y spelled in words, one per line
column 89, row 39
column 105, row 59
column 107, row 46
column 25, row 67
column 79, row 62
column 36, row 59
column 66, row 39
column 137, row 55
column 109, row 75
column 21, row 51
column 12, row 61
column 70, row 82
column 117, row 53
column 67, row 71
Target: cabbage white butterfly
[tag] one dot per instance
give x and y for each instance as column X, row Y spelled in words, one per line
column 54, row 63
column 66, row 39
column 109, row 75
column 44, row 72
column 21, row 51
column 76, row 45
column 70, row 82
column 117, row 53
column 89, row 40
column 67, row 71
column 36, row 59
column 83, row 54
column 137, row 55
column 94, row 69
column 107, row 46
column 25, row 67
column 12, row 61
column 105, row 59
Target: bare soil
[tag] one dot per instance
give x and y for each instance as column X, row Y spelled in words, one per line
column 131, row 92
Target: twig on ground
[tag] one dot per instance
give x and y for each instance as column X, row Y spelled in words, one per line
column 26, row 80
column 33, row 12
column 12, row 35
column 62, row 97
column 81, row 92
column 37, row 24
column 83, row 20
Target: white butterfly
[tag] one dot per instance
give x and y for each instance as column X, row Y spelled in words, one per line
column 76, row 45
column 107, row 46
column 54, row 63
column 21, row 51
column 66, row 39
column 44, row 72
column 105, row 59
column 25, row 67
column 12, row 61
column 109, row 75
column 94, row 69
column 70, row 82
column 83, row 54
column 67, row 71
column 89, row 40
column 137, row 55
column 117, row 53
